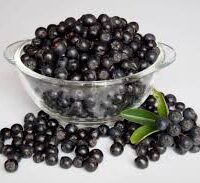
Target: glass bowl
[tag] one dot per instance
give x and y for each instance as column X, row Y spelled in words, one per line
column 87, row 102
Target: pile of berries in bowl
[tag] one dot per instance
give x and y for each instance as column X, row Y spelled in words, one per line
column 88, row 70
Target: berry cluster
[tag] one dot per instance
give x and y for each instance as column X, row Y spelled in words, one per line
column 179, row 131
column 90, row 49
column 42, row 137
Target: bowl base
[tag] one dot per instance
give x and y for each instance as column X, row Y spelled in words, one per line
column 83, row 122
column 89, row 121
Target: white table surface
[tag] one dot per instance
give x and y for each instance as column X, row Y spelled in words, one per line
column 173, row 21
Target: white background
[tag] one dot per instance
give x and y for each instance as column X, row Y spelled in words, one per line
column 175, row 22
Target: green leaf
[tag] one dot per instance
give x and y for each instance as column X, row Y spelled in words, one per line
column 162, row 107
column 141, row 133
column 139, row 116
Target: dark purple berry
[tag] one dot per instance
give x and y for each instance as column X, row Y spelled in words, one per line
column 105, row 36
column 38, row 157
column 141, row 150
column 6, row 133
column 103, row 18
column 185, row 142
column 180, row 106
column 78, row 161
column 52, row 123
column 83, row 45
column 190, row 114
column 186, row 125
column 72, row 52
column 8, row 149
column 149, row 37
column 97, row 154
column 166, row 140
column 90, row 75
column 154, row 155
column 82, row 150
column 170, row 99
column 114, row 132
column 90, row 165
column 89, row 19
column 92, row 142
column 175, row 116
column 116, row 149
column 162, row 124
column 65, row 162
column 51, row 159
column 67, row 146
column 27, row 151
column 174, row 130
column 41, row 33
column 69, row 22
column 16, row 128
column 103, row 74
column 59, row 47
column 43, row 115
column 11, row 165
column 141, row 162
column 93, row 63
column 61, row 73
column 51, row 149
column 62, row 62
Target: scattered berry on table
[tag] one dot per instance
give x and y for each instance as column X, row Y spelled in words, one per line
column 51, row 159
column 38, row 157
column 78, row 161
column 11, row 165
column 141, row 150
column 141, row 162
column 65, row 162
column 90, row 165
column 154, row 155
column 116, row 149
column 96, row 154
column 82, row 150
column 41, row 137
column 67, row 146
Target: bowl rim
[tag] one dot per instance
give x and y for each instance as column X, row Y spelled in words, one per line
column 151, row 69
